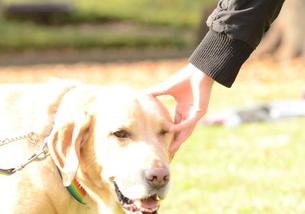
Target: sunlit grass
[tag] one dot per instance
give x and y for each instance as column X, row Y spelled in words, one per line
column 256, row 168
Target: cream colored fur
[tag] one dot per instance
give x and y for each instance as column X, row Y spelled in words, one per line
column 78, row 121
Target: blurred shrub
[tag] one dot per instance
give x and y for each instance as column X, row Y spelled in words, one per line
column 159, row 23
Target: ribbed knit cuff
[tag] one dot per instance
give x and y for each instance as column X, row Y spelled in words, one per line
column 220, row 57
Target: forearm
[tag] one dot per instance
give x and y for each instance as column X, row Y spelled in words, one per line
column 236, row 28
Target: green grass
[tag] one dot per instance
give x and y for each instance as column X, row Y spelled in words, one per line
column 164, row 12
column 160, row 23
column 252, row 168
column 20, row 36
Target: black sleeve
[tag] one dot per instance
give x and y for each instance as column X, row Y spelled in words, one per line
column 236, row 28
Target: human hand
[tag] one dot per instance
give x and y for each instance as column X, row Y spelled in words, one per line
column 191, row 89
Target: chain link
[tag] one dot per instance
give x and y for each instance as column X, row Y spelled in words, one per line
column 30, row 137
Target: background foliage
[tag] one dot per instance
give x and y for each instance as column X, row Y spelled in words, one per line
column 107, row 24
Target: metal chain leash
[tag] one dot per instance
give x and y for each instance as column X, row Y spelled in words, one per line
column 33, row 138
column 30, row 137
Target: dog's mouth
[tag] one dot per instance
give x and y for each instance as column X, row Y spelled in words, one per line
column 148, row 205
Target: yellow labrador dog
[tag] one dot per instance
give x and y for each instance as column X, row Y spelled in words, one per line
column 107, row 150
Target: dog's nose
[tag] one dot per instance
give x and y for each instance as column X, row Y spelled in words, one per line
column 157, row 177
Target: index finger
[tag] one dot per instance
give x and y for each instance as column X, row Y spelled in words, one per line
column 192, row 120
column 183, row 125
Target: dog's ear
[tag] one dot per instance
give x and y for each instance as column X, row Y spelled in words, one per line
column 65, row 142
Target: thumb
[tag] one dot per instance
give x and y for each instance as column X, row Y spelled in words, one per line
column 179, row 139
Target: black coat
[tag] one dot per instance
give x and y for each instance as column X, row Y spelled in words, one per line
column 236, row 28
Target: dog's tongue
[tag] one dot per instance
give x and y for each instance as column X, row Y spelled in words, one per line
column 150, row 203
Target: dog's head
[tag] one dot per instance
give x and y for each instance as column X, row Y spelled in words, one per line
column 115, row 143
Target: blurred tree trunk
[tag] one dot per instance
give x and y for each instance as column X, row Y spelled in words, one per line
column 203, row 28
column 286, row 37
column 0, row 7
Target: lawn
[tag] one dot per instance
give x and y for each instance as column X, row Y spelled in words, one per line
column 253, row 168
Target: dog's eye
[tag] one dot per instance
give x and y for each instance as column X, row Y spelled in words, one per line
column 123, row 134
column 163, row 132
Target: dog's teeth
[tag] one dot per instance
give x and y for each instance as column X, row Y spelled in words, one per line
column 129, row 205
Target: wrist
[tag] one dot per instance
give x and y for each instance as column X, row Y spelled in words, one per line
column 201, row 76
column 201, row 85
